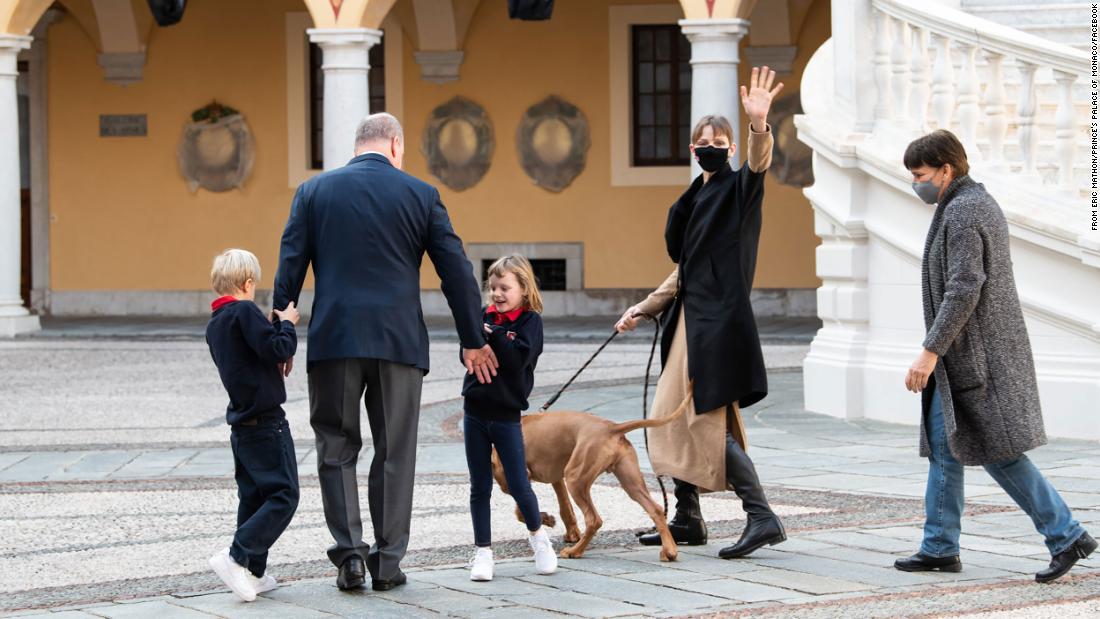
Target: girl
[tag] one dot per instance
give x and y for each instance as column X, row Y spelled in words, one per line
column 513, row 328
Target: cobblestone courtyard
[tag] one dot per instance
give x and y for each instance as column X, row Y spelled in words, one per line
column 115, row 486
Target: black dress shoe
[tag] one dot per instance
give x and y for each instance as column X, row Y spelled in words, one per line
column 757, row 534
column 1063, row 561
column 353, row 573
column 386, row 585
column 687, row 532
column 924, row 563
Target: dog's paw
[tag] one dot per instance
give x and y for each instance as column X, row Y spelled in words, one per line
column 571, row 537
column 548, row 520
column 669, row 555
column 569, row 553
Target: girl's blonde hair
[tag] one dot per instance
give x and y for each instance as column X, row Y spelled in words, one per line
column 525, row 275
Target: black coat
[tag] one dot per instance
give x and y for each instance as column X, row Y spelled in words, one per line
column 365, row 228
column 713, row 233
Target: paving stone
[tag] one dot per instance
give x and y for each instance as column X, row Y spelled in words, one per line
column 154, row 463
column 806, row 583
column 570, row 603
column 651, row 596
column 742, row 590
column 858, row 539
column 707, row 564
column 160, row 609
column 669, row 577
column 446, row 601
column 230, row 606
column 8, row 459
column 821, row 566
column 459, row 580
column 513, row 611
column 95, row 465
column 323, row 596
column 40, row 466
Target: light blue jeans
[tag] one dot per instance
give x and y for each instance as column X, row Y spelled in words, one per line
column 943, row 498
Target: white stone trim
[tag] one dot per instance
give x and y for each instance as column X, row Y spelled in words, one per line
column 573, row 253
column 439, row 67
column 122, row 67
column 297, row 93
column 620, row 19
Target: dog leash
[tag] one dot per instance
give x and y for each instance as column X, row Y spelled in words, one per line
column 645, row 401
column 645, row 389
column 551, row 401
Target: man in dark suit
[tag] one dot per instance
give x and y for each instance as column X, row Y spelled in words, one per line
column 365, row 228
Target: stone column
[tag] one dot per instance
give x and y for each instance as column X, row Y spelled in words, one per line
column 14, row 318
column 347, row 97
column 714, row 79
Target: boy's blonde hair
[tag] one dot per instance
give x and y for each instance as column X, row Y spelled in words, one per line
column 232, row 268
column 525, row 275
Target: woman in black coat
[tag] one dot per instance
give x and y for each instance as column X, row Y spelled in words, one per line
column 710, row 335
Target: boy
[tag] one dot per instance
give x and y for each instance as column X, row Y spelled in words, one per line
column 248, row 350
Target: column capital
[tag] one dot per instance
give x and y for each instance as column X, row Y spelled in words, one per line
column 733, row 29
column 14, row 43
column 326, row 37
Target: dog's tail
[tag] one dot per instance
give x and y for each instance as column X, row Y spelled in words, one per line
column 628, row 426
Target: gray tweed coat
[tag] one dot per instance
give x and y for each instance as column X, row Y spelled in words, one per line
column 975, row 324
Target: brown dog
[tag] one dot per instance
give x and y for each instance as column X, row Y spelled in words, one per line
column 569, row 450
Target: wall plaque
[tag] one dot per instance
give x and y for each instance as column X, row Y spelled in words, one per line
column 122, row 125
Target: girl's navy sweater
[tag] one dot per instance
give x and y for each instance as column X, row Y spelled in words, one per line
column 517, row 344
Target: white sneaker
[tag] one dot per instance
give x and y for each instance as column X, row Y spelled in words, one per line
column 546, row 560
column 481, row 566
column 263, row 585
column 235, row 576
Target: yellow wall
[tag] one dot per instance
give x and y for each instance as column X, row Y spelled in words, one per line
column 124, row 218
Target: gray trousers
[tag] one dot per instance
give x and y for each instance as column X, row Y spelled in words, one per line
column 391, row 393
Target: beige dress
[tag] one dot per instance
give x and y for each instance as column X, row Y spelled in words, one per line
column 693, row 448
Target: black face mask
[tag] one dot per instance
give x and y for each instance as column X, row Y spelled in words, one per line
column 712, row 157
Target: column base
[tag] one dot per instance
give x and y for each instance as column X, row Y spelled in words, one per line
column 11, row 326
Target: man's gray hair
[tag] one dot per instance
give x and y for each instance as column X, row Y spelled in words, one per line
column 377, row 127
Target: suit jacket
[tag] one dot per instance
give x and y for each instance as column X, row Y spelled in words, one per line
column 365, row 228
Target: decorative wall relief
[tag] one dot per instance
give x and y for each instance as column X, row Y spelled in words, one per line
column 792, row 161
column 458, row 143
column 216, row 151
column 552, row 140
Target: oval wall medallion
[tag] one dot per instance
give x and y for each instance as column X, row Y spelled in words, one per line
column 458, row 143
column 552, row 140
column 216, row 150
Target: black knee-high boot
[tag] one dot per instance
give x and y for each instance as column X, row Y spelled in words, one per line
column 762, row 526
column 687, row 526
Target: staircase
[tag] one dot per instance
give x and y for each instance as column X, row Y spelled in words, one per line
column 1012, row 80
column 1055, row 20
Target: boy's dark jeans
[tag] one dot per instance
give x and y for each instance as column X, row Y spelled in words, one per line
column 266, row 470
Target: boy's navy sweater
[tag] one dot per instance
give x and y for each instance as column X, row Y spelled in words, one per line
column 247, row 347
column 517, row 344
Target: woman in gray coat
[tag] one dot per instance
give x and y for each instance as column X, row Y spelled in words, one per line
column 980, row 402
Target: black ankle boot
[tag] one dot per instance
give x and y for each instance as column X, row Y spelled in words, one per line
column 763, row 527
column 687, row 526
column 1063, row 561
